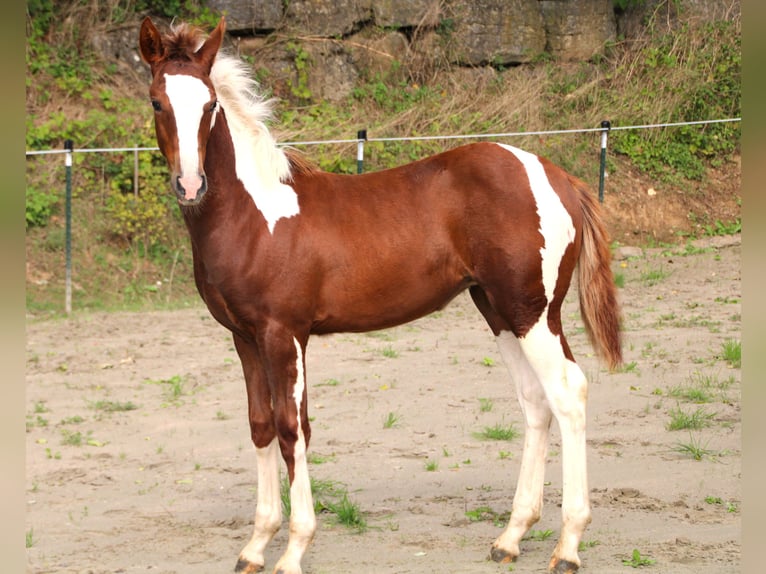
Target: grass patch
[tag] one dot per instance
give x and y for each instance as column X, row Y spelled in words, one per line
column 498, row 432
column 486, row 513
column 173, row 388
column 538, row 535
column 693, row 448
column 654, row 276
column 329, row 497
column 584, row 545
column 731, row 352
column 348, row 513
column 392, row 419
column 638, row 561
column 113, row 406
column 30, row 538
column 682, row 420
column 485, row 405
column 389, row 352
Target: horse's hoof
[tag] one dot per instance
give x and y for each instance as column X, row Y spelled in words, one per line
column 501, row 556
column 246, row 567
column 562, row 567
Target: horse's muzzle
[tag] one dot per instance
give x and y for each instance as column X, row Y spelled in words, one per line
column 190, row 189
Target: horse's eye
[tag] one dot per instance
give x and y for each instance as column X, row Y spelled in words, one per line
column 157, row 106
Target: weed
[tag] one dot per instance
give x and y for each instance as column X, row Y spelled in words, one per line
column 328, row 383
column 30, row 538
column 538, row 535
column 498, row 432
column 693, row 448
column 637, row 561
column 631, row 367
column 113, row 406
column 584, row 545
column 731, row 352
column 619, row 280
column 654, row 276
column 485, row 513
column 693, row 395
column 488, row 362
column 348, row 513
column 713, row 500
column 485, row 405
column 389, row 352
column 221, row 416
column 173, row 388
column 74, row 420
column 314, row 458
column 721, row 228
column 329, row 497
column 71, row 438
column 432, row 465
column 681, row 420
column 392, row 419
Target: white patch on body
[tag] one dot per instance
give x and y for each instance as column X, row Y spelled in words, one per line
column 556, row 225
column 274, row 199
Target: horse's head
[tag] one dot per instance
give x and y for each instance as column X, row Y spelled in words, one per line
column 184, row 101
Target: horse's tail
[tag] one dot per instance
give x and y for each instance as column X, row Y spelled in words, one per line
column 598, row 294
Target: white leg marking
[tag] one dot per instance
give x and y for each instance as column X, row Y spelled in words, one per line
column 268, row 511
column 566, row 389
column 528, row 500
column 302, row 518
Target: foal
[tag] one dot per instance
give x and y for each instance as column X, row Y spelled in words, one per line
column 283, row 251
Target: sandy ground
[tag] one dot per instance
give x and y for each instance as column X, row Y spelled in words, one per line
column 169, row 486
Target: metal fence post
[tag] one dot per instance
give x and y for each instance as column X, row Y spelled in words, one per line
column 605, row 126
column 68, row 146
column 361, row 137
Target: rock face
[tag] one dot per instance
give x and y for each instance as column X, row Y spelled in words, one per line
column 249, row 16
column 497, row 32
column 578, row 30
column 317, row 49
column 331, row 18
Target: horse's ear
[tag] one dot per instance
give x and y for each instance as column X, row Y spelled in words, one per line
column 150, row 42
column 207, row 52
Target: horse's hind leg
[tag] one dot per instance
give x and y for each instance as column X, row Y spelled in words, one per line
column 566, row 392
column 528, row 499
column 548, row 384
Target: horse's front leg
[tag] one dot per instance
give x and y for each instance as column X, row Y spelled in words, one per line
column 284, row 356
column 268, row 510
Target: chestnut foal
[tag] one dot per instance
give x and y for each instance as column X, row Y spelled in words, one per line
column 283, row 250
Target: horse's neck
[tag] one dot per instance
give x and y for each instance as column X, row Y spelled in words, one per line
column 243, row 183
column 225, row 197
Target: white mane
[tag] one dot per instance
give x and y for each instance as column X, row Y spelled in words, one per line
column 246, row 113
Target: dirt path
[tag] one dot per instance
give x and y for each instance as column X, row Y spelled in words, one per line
column 139, row 457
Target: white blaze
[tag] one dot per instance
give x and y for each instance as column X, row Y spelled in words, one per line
column 188, row 97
